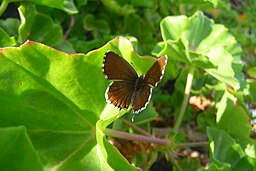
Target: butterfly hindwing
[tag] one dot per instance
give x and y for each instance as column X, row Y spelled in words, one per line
column 119, row 93
column 141, row 98
column 156, row 71
column 117, row 68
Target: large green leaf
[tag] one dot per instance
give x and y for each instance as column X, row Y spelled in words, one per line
column 233, row 116
column 200, row 42
column 225, row 150
column 17, row 151
column 59, row 98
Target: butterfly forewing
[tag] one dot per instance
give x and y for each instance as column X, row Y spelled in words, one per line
column 116, row 68
column 141, row 98
column 156, row 71
column 119, row 93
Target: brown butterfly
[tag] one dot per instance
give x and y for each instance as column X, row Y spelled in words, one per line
column 127, row 87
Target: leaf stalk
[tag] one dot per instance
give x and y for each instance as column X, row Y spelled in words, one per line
column 185, row 99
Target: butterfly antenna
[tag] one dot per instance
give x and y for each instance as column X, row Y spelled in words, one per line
column 133, row 117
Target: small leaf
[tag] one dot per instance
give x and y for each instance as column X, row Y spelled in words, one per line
column 5, row 39
column 189, row 164
column 38, row 27
column 10, row 26
column 248, row 145
column 214, row 167
column 65, row 5
column 113, row 6
column 213, row 3
column 252, row 89
column 252, row 72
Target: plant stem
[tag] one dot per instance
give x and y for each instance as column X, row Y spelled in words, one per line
column 185, row 99
column 3, row 6
column 193, row 144
column 71, row 25
column 136, row 128
column 124, row 135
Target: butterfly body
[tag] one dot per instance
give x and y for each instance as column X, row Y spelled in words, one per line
column 127, row 87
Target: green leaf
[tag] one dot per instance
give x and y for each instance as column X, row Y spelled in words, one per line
column 252, row 72
column 5, row 39
column 65, row 5
column 224, row 149
column 36, row 80
column 38, row 27
column 109, row 153
column 248, row 145
column 223, row 70
column 98, row 26
column 172, row 27
column 10, row 26
column 214, row 167
column 17, row 151
column 206, row 119
column 116, row 8
column 59, row 98
column 252, row 90
column 189, row 164
column 143, row 3
column 213, row 3
column 144, row 116
column 81, row 2
column 199, row 42
column 65, row 46
column 233, row 117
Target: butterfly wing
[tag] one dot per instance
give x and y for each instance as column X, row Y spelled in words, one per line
column 119, row 93
column 117, row 68
column 141, row 98
column 156, row 71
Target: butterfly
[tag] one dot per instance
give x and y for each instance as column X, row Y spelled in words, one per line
column 127, row 87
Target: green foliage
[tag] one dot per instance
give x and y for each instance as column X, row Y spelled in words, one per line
column 203, row 47
column 53, row 112
column 226, row 151
column 16, row 144
column 5, row 39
